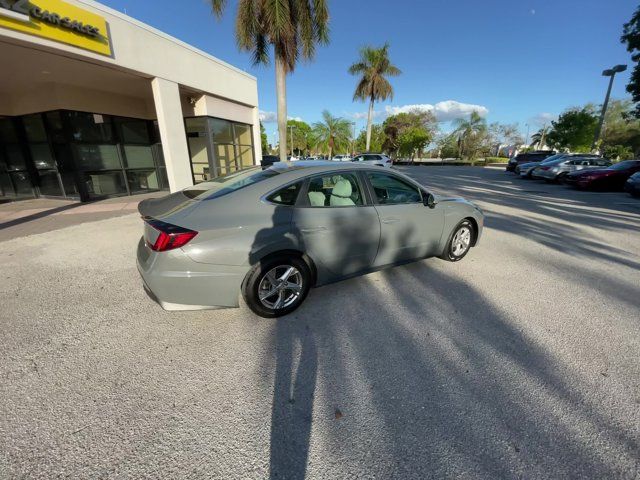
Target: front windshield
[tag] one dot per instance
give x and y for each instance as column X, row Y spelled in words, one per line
column 228, row 183
column 623, row 165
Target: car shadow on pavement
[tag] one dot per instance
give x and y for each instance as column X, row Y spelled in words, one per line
column 455, row 387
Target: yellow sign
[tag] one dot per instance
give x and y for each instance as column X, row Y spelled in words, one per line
column 58, row 21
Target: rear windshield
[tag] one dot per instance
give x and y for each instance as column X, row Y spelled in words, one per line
column 228, row 183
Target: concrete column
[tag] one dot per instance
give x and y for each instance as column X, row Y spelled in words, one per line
column 257, row 141
column 166, row 96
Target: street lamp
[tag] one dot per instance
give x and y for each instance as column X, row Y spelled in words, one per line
column 611, row 72
column 353, row 139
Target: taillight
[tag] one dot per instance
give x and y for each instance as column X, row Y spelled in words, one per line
column 171, row 236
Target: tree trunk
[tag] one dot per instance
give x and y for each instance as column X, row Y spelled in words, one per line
column 369, row 121
column 281, row 93
column 330, row 148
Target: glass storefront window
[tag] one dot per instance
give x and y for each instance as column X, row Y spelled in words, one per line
column 243, row 134
column 90, row 127
column 245, row 153
column 49, row 184
column 22, row 184
column 99, row 184
column 34, row 128
column 133, row 131
column 220, row 130
column 142, row 180
column 7, row 131
column 97, row 157
column 41, row 156
column 137, row 156
column 14, row 157
column 55, row 127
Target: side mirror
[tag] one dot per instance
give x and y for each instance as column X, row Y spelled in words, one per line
column 429, row 200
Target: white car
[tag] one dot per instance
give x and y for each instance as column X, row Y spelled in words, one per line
column 341, row 158
column 374, row 159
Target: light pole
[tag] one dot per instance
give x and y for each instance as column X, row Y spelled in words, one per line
column 611, row 73
column 291, row 130
column 353, row 139
column 526, row 139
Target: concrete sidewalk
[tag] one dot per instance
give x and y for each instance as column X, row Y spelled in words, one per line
column 28, row 217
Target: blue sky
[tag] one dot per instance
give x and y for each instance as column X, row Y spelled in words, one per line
column 521, row 60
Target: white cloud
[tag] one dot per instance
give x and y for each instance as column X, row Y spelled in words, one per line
column 268, row 117
column 272, row 117
column 444, row 111
column 542, row 118
column 364, row 115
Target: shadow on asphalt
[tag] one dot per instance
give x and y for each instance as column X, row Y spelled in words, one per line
column 453, row 387
column 39, row 215
column 567, row 208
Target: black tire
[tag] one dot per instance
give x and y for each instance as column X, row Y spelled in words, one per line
column 449, row 250
column 255, row 277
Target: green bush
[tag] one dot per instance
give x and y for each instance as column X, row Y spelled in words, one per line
column 496, row 159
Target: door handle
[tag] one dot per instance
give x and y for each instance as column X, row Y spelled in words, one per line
column 313, row 229
column 390, row 220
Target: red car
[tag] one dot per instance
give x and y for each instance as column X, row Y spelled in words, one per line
column 610, row 178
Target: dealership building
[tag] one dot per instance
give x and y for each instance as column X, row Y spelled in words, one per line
column 95, row 104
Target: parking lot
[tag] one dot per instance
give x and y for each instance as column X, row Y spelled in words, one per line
column 521, row 361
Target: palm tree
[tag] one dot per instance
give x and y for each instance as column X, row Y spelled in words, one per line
column 471, row 133
column 373, row 66
column 292, row 27
column 332, row 133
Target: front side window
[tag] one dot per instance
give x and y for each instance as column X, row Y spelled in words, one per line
column 287, row 195
column 391, row 190
column 334, row 190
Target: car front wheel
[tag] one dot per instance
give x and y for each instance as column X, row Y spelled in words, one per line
column 277, row 286
column 459, row 242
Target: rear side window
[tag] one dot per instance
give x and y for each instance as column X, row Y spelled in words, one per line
column 287, row 195
column 334, row 190
column 228, row 183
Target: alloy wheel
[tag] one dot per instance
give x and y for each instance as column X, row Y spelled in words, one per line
column 280, row 287
column 461, row 241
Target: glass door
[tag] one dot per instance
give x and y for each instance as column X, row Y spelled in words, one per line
column 49, row 182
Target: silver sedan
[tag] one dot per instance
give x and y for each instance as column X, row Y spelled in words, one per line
column 272, row 234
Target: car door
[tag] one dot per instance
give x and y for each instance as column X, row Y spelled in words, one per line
column 408, row 229
column 337, row 226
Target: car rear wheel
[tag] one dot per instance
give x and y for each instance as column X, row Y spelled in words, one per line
column 277, row 286
column 459, row 242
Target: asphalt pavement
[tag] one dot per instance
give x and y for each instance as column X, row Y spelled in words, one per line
column 521, row 361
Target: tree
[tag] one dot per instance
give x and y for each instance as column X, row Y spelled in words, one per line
column 574, row 130
column 332, row 133
column 376, row 140
column 301, row 136
column 631, row 36
column 396, row 128
column 618, row 152
column 621, row 128
column 373, row 67
column 263, row 140
column 472, row 135
column 448, row 146
column 292, row 28
column 412, row 141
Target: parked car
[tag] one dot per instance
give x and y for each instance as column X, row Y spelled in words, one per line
column 525, row 169
column 633, row 184
column 536, row 156
column 341, row 158
column 611, row 178
column 272, row 234
column 378, row 159
column 268, row 160
column 558, row 169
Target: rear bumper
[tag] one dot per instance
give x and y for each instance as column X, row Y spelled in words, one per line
column 543, row 174
column 178, row 283
column 511, row 167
